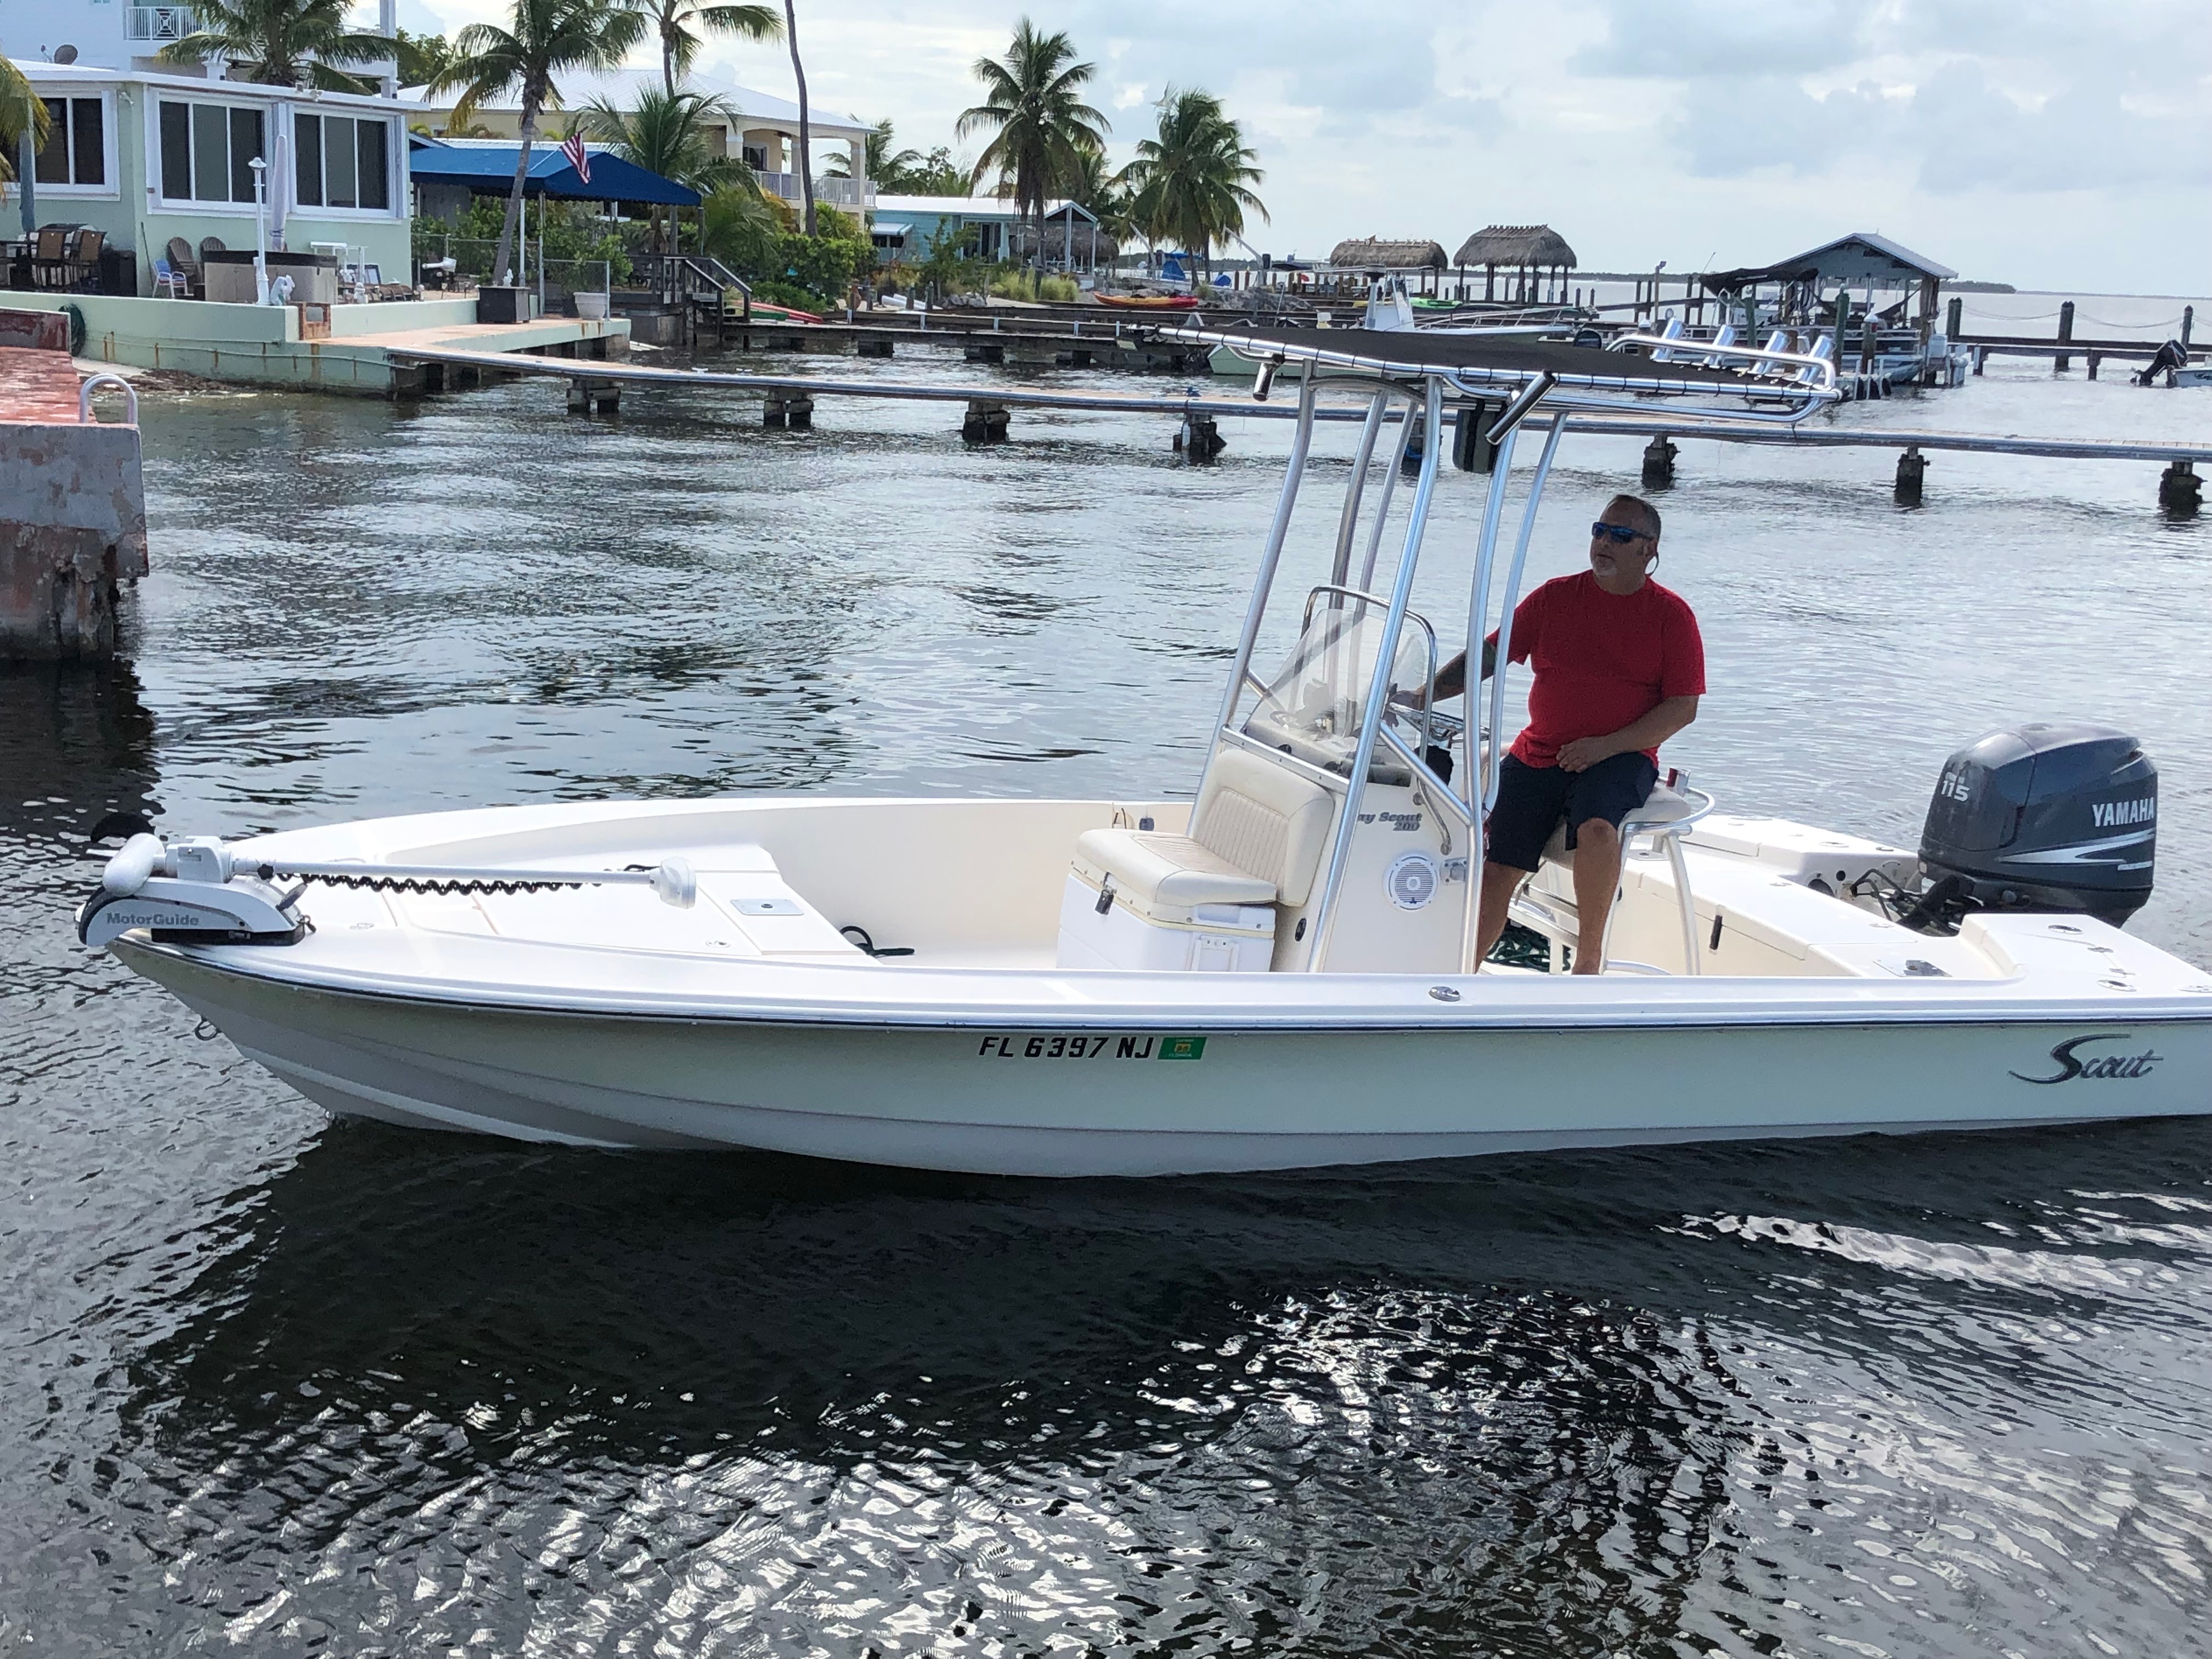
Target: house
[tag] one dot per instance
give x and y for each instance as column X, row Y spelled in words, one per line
column 148, row 156
column 103, row 34
column 765, row 135
column 907, row 227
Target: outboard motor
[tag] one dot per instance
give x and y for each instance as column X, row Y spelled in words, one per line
column 2040, row 817
column 2169, row 358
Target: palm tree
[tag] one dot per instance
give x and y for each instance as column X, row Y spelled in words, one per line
column 423, row 59
column 282, row 43
column 805, row 138
column 674, row 19
column 1032, row 103
column 1192, row 183
column 548, row 37
column 667, row 134
column 22, row 118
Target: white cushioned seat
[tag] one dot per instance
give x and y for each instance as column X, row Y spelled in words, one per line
column 1262, row 831
column 1155, row 870
column 1661, row 806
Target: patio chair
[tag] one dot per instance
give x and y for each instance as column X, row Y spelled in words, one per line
column 168, row 282
column 49, row 256
column 83, row 276
column 185, row 266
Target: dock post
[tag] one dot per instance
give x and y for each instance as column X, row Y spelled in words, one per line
column 1659, row 463
column 1912, row 468
column 985, row 422
column 2094, row 359
column 580, row 397
column 1981, row 357
column 2188, row 322
column 1954, row 318
column 872, row 347
column 798, row 411
column 2180, row 491
column 1199, row 438
column 2059, row 365
column 985, row 354
column 1473, row 450
column 773, row 411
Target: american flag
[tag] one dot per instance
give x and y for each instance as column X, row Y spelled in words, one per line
column 572, row 148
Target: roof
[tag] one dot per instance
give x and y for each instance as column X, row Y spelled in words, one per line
column 1861, row 260
column 890, row 228
column 487, row 168
column 1381, row 253
column 1484, row 356
column 620, row 88
column 1516, row 246
column 54, row 75
column 969, row 207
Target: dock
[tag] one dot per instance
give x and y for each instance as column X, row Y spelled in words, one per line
column 787, row 403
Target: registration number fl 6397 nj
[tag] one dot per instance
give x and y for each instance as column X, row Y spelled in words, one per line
column 1016, row 1045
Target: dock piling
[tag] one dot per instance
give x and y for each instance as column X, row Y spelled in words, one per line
column 873, row 348
column 2059, row 365
column 788, row 410
column 2180, row 491
column 1911, row 468
column 1954, row 319
column 985, row 422
column 1659, row 463
column 586, row 396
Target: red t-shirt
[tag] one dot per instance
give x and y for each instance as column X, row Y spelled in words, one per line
column 1602, row 660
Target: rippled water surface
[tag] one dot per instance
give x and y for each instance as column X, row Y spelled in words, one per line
column 273, row 1385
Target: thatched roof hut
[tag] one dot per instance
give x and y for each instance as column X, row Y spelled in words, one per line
column 1517, row 247
column 1379, row 253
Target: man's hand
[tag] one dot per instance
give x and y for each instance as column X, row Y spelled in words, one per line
column 1585, row 752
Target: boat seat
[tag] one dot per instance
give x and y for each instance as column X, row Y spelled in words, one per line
column 1262, row 831
column 1662, row 807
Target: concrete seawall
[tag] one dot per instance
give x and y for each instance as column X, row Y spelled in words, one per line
column 72, row 502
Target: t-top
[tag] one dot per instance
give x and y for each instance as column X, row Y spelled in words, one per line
column 1602, row 660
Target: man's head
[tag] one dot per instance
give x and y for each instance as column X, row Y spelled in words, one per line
column 1624, row 542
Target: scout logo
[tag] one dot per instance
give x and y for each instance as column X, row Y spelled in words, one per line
column 2071, row 1064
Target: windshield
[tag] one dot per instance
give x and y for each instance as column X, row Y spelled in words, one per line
column 1312, row 706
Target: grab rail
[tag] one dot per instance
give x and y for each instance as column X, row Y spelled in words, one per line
column 93, row 383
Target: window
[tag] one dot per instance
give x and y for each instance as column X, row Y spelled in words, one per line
column 208, row 150
column 75, row 150
column 341, row 162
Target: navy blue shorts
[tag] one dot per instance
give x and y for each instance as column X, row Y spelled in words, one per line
column 1532, row 800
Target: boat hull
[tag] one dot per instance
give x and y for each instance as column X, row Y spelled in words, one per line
column 1107, row 1097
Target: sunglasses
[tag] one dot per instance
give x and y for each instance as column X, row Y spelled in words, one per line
column 1620, row 534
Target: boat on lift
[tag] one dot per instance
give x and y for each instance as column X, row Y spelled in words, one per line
column 1275, row 971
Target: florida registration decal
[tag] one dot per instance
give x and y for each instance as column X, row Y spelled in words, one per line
column 1014, row 1045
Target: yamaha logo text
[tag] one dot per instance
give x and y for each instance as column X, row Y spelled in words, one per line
column 2113, row 814
column 2072, row 1065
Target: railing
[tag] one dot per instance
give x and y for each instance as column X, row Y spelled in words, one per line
column 683, row 276
column 158, row 22
column 837, row 192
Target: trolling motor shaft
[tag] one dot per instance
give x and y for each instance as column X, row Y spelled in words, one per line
column 199, row 890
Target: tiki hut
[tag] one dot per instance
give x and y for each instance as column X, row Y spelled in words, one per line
column 1379, row 253
column 1535, row 259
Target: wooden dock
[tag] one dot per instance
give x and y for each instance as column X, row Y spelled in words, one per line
column 787, row 403
column 1020, row 339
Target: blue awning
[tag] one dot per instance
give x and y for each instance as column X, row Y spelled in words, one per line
column 891, row 227
column 488, row 170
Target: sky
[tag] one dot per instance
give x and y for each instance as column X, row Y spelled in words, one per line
column 2048, row 143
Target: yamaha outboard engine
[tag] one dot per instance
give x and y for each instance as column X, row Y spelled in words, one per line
column 2040, row 817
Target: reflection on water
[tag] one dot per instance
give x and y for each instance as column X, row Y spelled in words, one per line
column 274, row 1386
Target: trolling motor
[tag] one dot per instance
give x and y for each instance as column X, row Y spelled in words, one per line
column 2056, row 819
column 198, row 890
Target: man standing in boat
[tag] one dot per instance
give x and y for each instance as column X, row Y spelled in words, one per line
column 1619, row 667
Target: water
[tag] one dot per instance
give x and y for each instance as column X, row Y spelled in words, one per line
column 275, row 1386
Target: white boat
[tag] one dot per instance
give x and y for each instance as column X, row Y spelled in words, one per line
column 1277, row 973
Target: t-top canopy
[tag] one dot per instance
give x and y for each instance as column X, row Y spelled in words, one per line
column 1504, row 361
